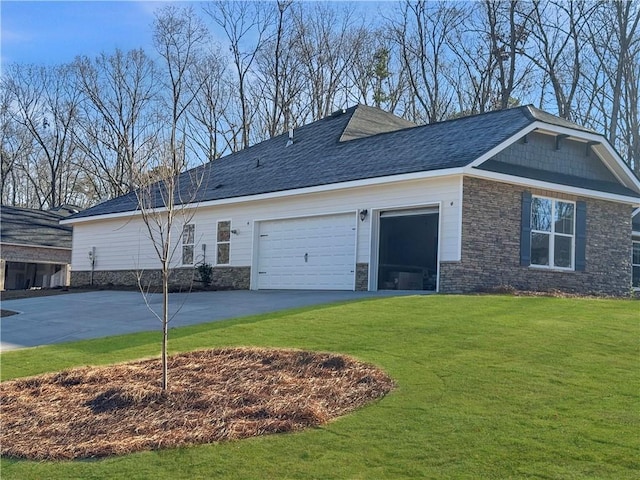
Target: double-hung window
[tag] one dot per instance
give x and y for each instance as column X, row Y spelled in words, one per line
column 188, row 238
column 552, row 233
column 223, row 242
column 636, row 264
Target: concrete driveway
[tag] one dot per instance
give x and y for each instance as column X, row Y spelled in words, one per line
column 64, row 318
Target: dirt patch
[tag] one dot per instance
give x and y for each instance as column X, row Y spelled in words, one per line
column 7, row 313
column 214, row 395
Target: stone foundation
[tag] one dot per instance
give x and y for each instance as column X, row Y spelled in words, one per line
column 224, row 278
column 362, row 277
column 491, row 246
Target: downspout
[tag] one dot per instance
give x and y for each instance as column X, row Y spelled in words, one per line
column 92, row 259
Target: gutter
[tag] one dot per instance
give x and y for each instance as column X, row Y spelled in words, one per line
column 285, row 193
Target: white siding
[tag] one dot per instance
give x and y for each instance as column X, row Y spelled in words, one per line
column 123, row 243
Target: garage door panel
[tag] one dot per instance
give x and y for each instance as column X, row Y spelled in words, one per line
column 307, row 253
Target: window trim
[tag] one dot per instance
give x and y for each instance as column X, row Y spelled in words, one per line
column 218, row 243
column 633, row 243
column 192, row 245
column 552, row 235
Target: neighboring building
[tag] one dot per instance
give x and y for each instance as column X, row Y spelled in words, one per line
column 365, row 200
column 35, row 248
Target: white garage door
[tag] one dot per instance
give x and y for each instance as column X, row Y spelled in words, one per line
column 316, row 253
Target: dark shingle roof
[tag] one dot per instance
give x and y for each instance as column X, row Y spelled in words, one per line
column 355, row 144
column 25, row 226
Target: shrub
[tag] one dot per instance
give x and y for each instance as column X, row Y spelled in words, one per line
column 205, row 271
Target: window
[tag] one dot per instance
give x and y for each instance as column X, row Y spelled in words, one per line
column 636, row 264
column 552, row 233
column 188, row 236
column 223, row 241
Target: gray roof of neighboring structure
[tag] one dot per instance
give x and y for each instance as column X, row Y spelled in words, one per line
column 353, row 144
column 25, row 226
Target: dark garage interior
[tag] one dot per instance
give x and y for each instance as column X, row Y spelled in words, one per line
column 408, row 251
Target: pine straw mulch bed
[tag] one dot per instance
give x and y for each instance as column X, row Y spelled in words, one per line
column 213, row 395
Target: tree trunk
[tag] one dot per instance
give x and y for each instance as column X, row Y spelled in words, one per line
column 165, row 325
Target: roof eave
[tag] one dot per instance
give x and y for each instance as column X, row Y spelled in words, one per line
column 288, row 193
column 524, row 181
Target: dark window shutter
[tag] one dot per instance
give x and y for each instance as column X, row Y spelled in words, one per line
column 581, row 235
column 525, row 230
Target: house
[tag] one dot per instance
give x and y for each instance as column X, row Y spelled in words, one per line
column 35, row 248
column 365, row 200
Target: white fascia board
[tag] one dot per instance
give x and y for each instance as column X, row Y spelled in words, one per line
column 288, row 193
column 31, row 245
column 603, row 149
column 617, row 165
column 528, row 182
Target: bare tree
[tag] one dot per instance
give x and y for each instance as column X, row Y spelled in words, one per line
column 167, row 203
column 119, row 90
column 422, row 34
column 46, row 106
column 615, row 43
column 376, row 73
column 16, row 144
column 207, row 134
column 246, row 26
column 279, row 85
column 508, row 29
column 178, row 35
column 557, row 29
column 327, row 39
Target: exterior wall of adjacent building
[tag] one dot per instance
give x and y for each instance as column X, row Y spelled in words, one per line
column 26, row 266
column 121, row 248
column 490, row 255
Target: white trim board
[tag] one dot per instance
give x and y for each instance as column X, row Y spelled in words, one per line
column 556, row 187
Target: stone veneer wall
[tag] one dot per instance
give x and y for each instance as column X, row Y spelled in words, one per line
column 235, row 278
column 362, row 277
column 491, row 245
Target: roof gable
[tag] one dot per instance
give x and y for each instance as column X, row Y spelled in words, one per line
column 546, row 158
column 368, row 121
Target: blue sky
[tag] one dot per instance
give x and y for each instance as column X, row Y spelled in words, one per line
column 54, row 32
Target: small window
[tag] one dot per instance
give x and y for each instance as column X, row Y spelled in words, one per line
column 552, row 233
column 223, row 242
column 188, row 236
column 636, row 264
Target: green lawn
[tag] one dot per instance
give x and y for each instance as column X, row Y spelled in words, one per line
column 488, row 387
